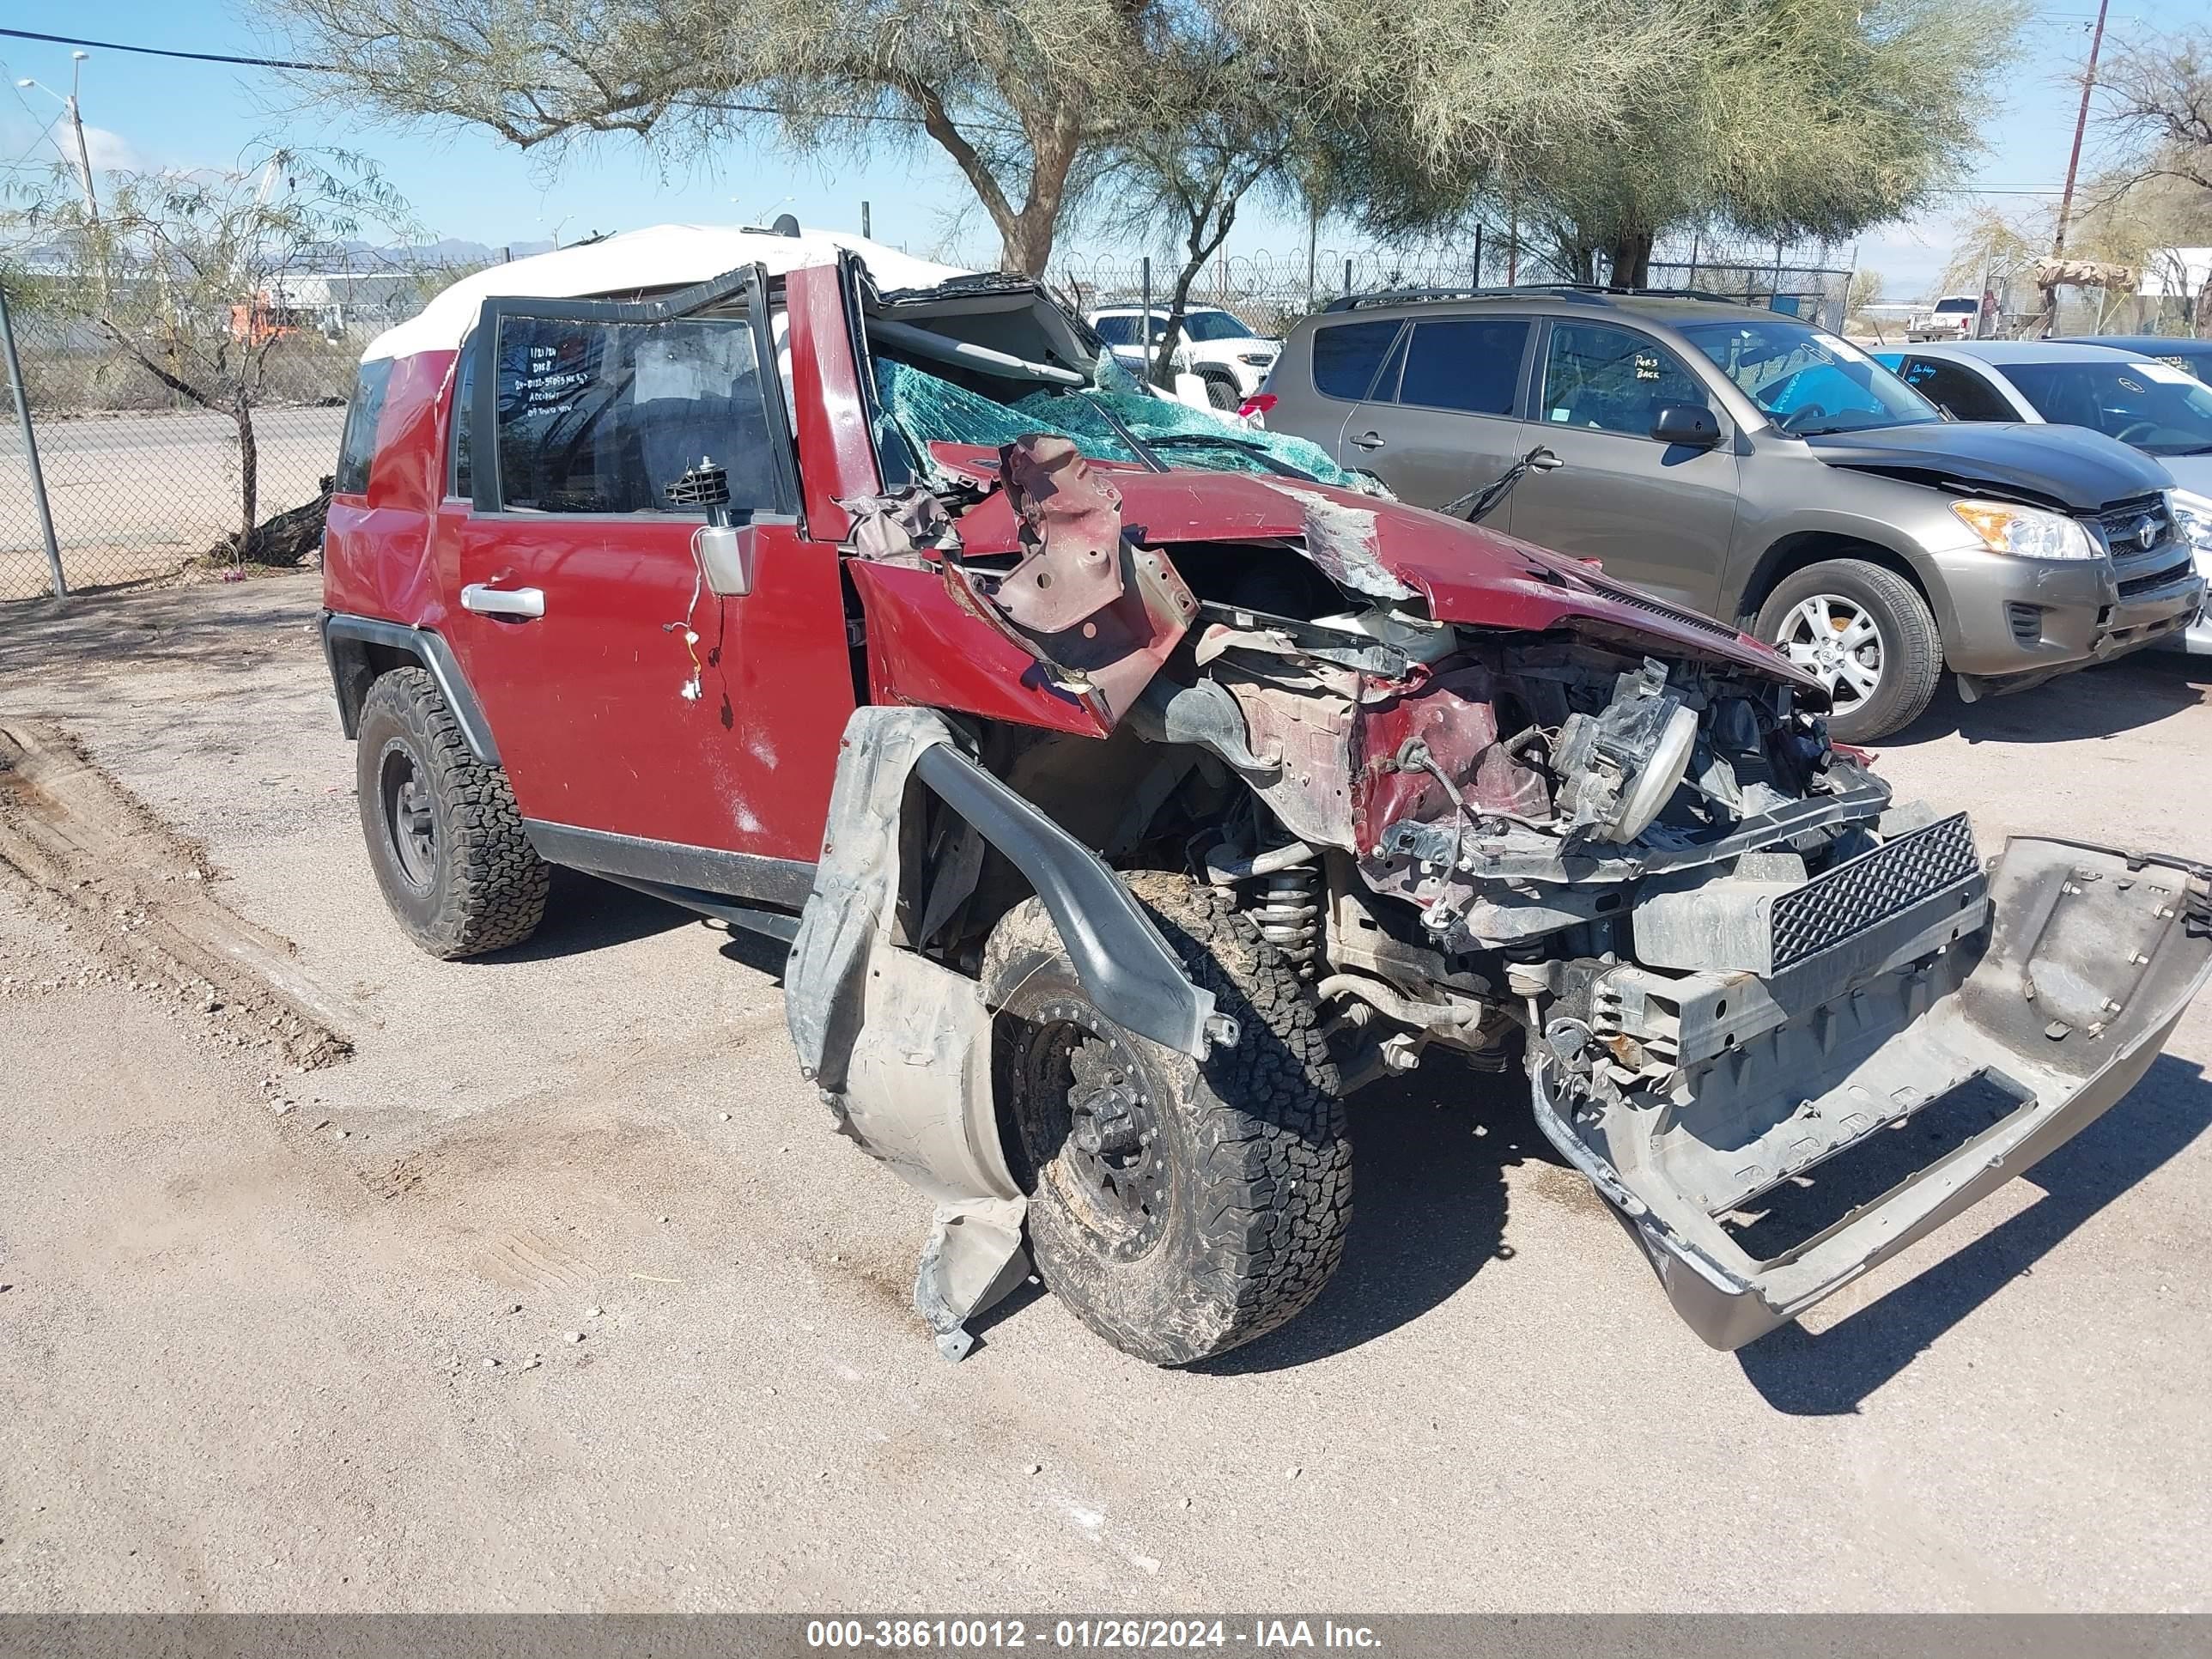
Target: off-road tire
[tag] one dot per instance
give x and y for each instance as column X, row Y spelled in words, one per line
column 1912, row 647
column 1257, row 1176
column 480, row 886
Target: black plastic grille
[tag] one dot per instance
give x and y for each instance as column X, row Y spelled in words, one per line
column 1660, row 608
column 1864, row 891
column 2121, row 527
column 2131, row 585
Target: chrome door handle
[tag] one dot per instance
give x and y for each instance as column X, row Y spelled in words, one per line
column 1544, row 461
column 1368, row 440
column 523, row 603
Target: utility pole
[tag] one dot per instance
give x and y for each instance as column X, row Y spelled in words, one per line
column 2080, row 125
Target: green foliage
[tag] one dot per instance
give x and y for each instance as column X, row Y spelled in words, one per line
column 182, row 271
column 1776, row 119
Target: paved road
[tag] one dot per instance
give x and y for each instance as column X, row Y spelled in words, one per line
column 132, row 495
column 242, row 1354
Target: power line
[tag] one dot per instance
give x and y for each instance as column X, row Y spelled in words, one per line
column 720, row 106
column 167, row 52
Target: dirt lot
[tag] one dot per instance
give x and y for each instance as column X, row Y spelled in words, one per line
column 276, row 1339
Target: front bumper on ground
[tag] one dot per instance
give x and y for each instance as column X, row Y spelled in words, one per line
column 2033, row 1024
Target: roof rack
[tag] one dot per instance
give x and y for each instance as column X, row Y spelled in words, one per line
column 1588, row 293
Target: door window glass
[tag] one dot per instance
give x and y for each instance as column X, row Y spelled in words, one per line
column 1612, row 380
column 1959, row 390
column 462, row 481
column 1470, row 363
column 357, row 447
column 602, row 417
column 1346, row 355
column 1117, row 331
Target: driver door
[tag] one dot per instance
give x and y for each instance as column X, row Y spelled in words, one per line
column 649, row 727
column 1660, row 516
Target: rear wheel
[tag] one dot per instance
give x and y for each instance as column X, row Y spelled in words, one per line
column 444, row 835
column 1864, row 632
column 1179, row 1207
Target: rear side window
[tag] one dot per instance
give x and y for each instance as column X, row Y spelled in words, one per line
column 602, row 417
column 1469, row 364
column 1117, row 331
column 1959, row 390
column 1346, row 355
column 357, row 448
column 464, row 398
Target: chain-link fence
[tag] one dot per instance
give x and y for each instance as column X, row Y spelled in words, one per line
column 143, row 483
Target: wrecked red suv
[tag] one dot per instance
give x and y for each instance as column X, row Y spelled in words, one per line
column 1131, row 787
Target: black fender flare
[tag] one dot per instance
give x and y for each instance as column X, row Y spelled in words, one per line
column 1124, row 964
column 353, row 668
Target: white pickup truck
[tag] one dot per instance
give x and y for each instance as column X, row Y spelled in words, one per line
column 1952, row 317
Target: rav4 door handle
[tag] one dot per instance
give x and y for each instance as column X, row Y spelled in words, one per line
column 523, row 603
column 1368, row 440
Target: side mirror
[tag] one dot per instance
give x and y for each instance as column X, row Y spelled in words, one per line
column 1692, row 424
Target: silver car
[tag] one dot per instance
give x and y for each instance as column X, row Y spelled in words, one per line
column 2158, row 406
column 1752, row 466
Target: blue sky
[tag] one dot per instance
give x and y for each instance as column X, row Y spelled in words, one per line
column 152, row 112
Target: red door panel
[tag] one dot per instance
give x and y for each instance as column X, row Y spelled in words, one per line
column 605, row 721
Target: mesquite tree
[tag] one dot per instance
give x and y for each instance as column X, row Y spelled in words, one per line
column 183, row 273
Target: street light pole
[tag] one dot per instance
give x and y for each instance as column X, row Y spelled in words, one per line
column 76, row 125
column 76, row 130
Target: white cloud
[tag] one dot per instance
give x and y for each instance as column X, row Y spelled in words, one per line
column 111, row 152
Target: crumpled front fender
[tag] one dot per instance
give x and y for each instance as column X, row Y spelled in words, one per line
column 900, row 1044
column 2048, row 1015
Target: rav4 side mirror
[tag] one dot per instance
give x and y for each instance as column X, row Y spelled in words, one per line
column 1692, row 424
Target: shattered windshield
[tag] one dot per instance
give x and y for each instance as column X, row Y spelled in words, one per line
column 927, row 409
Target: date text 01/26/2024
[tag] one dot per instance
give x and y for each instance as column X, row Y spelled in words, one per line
column 958, row 1635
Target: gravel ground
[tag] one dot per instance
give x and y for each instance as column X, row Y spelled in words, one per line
column 561, row 1292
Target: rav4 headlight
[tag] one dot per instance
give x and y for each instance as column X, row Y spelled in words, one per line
column 2027, row 532
column 2192, row 519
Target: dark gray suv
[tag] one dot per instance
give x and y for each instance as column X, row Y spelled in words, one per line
column 1750, row 465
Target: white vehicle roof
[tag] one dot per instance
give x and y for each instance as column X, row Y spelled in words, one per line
column 659, row 256
column 1160, row 312
column 2017, row 351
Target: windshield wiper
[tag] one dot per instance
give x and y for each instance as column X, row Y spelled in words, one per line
column 1273, row 462
column 1480, row 502
column 1151, row 462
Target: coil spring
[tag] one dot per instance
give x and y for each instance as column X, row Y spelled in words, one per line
column 1286, row 906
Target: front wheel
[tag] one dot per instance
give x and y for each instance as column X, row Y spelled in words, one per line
column 1179, row 1207
column 1864, row 632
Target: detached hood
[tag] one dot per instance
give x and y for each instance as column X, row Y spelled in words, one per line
column 2065, row 466
column 1388, row 550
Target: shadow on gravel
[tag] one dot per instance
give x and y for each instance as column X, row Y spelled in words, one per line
column 585, row 913
column 1832, row 1373
column 217, row 625
column 1428, row 1210
column 2095, row 702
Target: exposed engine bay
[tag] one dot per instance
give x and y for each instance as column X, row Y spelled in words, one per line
column 1513, row 814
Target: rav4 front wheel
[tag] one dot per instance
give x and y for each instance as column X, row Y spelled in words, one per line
column 1179, row 1207
column 1864, row 632
column 445, row 836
